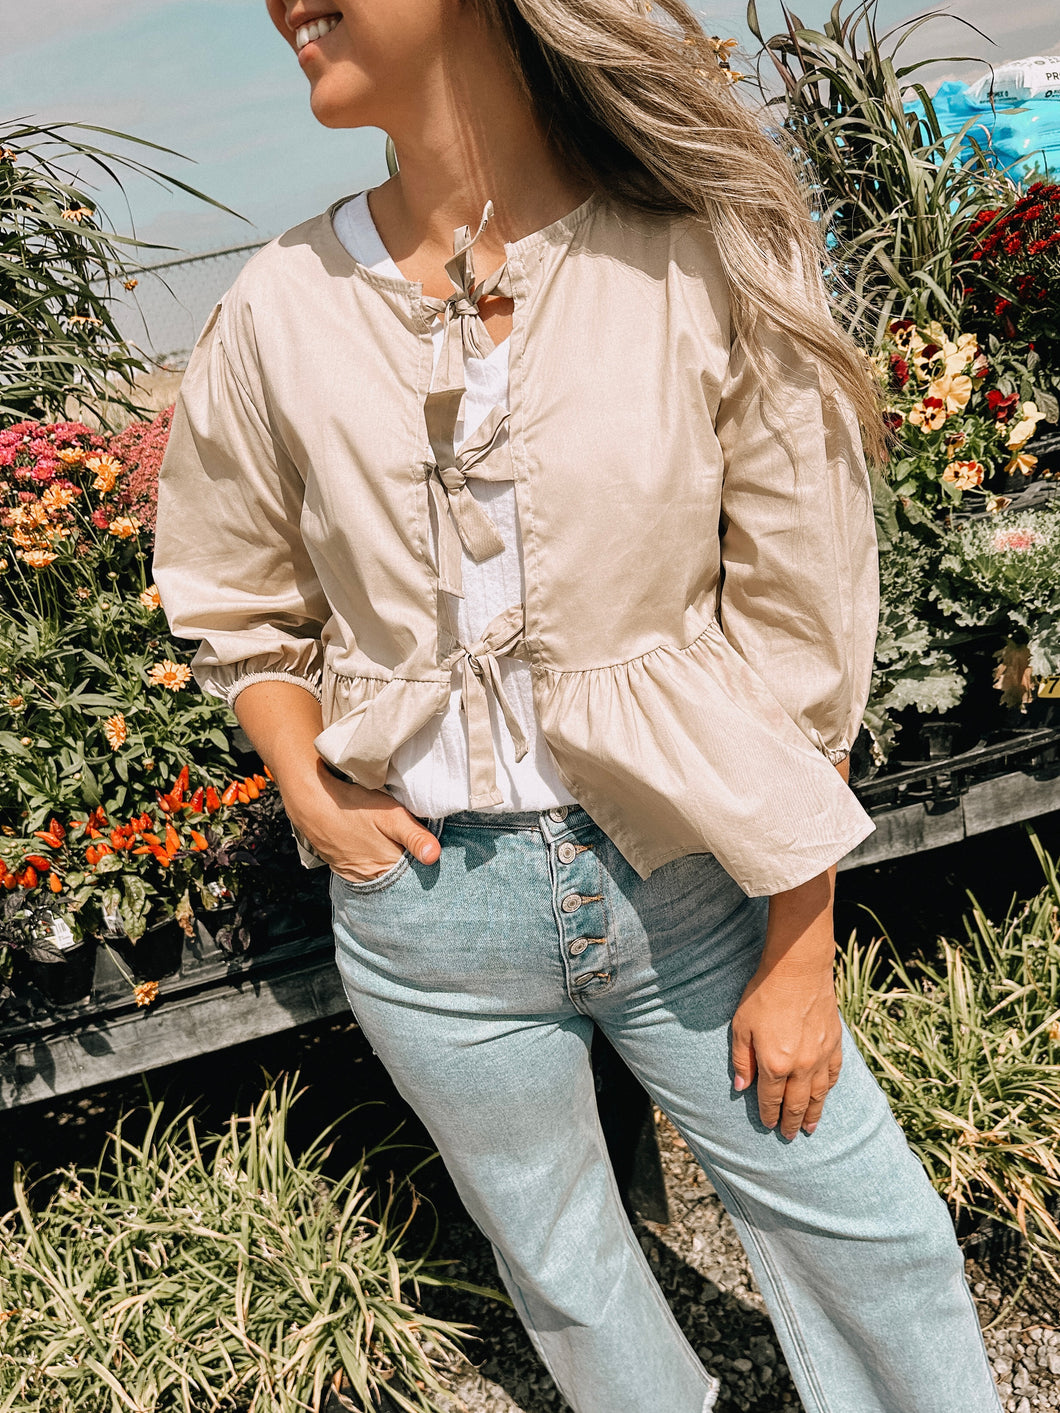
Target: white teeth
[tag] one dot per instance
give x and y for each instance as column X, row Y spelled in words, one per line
column 304, row 33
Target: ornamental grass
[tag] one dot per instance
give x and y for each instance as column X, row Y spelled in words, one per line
column 967, row 1050
column 217, row 1274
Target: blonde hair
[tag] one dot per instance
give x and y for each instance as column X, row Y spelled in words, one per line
column 645, row 110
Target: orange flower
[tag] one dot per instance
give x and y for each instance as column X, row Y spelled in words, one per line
column 150, row 597
column 37, row 558
column 964, row 474
column 59, row 497
column 168, row 673
column 116, row 731
column 70, row 455
column 146, row 992
column 107, row 468
column 1023, row 461
column 123, row 527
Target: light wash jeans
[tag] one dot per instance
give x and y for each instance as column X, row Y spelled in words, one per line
column 478, row 981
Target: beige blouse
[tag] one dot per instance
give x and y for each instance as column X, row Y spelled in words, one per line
column 701, row 581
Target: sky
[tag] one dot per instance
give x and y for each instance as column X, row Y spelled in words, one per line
column 214, row 82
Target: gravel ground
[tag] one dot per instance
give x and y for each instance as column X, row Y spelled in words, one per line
column 698, row 1258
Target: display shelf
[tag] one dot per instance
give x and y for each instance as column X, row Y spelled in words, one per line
column 215, row 1001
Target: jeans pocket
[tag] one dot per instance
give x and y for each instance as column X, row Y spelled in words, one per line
column 380, row 881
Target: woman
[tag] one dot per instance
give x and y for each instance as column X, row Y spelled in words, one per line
column 549, row 598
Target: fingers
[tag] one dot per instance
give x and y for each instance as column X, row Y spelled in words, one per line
column 793, row 1101
column 771, row 1095
column 743, row 1058
column 420, row 842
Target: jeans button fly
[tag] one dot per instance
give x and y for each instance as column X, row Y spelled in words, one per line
column 558, row 814
column 578, row 946
column 571, row 903
column 567, row 852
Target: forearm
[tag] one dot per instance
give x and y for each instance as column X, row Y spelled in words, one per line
column 282, row 721
column 799, row 933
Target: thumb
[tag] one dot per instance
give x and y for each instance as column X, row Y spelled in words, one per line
column 743, row 1059
column 420, row 842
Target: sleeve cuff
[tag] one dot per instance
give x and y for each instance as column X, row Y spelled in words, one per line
column 837, row 755
column 312, row 682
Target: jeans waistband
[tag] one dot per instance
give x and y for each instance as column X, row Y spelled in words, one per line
column 573, row 816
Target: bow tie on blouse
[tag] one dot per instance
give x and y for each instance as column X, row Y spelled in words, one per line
column 461, row 519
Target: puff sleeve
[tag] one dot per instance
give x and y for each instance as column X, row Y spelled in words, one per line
column 799, row 597
column 230, row 564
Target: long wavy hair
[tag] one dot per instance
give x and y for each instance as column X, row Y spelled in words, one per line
column 637, row 101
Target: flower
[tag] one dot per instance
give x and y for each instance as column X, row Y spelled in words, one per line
column 150, row 597
column 1001, row 406
column 1012, row 676
column 59, row 497
column 1023, row 430
column 16, row 701
column 116, row 731
column 1015, row 539
column 145, row 993
column 1022, row 461
column 107, row 469
column 930, row 414
column 996, row 503
column 952, row 389
column 964, row 474
column 37, row 558
column 123, row 527
column 168, row 673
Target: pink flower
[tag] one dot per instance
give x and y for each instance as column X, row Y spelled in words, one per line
column 1016, row 539
column 100, row 519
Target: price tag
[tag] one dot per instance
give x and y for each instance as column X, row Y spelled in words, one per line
column 1049, row 687
column 62, row 934
column 58, row 931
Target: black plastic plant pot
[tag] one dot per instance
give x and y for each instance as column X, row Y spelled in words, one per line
column 274, row 923
column 210, row 921
column 66, row 982
column 158, row 953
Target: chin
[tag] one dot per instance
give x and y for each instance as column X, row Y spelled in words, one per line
column 336, row 110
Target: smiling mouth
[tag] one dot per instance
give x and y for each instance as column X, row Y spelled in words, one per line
column 316, row 29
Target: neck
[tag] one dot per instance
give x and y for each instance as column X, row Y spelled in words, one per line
column 472, row 136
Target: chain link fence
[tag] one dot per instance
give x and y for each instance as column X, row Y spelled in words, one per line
column 164, row 314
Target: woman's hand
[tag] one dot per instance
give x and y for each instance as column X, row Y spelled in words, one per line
column 786, row 1030
column 360, row 833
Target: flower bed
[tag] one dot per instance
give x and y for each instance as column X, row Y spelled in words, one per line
column 121, row 815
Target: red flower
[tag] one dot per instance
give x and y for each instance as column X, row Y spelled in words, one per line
column 1002, row 407
column 100, row 519
column 899, row 370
